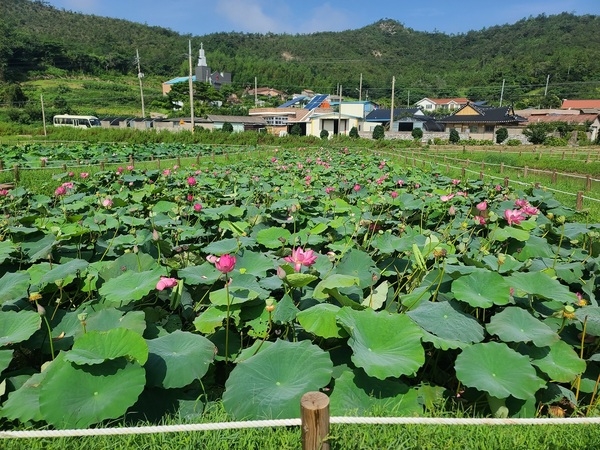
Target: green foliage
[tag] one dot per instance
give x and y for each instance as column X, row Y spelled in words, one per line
column 454, row 136
column 378, row 132
column 227, row 127
column 537, row 133
column 513, row 142
column 324, row 134
column 417, row 133
column 353, row 133
column 296, row 130
column 501, row 135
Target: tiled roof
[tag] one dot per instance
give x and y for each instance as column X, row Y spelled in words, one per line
column 445, row 101
column 378, row 115
column 579, row 104
column 567, row 118
column 236, row 119
column 503, row 114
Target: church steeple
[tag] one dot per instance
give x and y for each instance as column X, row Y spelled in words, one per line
column 201, row 57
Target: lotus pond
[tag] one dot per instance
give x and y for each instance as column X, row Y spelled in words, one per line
column 133, row 294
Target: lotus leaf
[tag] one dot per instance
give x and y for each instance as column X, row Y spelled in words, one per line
column 18, row 326
column 321, row 321
column 230, row 245
column 559, row 361
column 5, row 358
column 332, row 283
column 74, row 396
column 482, row 289
column 383, row 344
column 496, row 369
column 515, row 324
column 95, row 347
column 274, row 237
column 446, row 321
column 177, row 359
column 129, row 287
column 254, row 263
column 541, row 284
column 270, row 384
column 7, row 248
column 285, row 310
column 13, row 286
column 377, row 297
column 24, row 403
column 37, row 249
column 591, row 316
column 355, row 393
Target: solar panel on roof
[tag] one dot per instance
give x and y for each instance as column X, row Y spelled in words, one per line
column 291, row 102
column 316, row 101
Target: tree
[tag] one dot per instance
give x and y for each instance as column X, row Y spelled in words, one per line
column 501, row 135
column 454, row 136
column 296, row 130
column 536, row 133
column 324, row 134
column 227, row 127
column 378, row 132
column 353, row 133
column 417, row 134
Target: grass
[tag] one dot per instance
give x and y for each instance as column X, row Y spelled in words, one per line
column 355, row 437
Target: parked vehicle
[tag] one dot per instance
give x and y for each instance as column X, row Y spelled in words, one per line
column 68, row 120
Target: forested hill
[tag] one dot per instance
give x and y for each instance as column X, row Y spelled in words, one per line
column 39, row 40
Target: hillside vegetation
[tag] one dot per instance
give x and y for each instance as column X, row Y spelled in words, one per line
column 38, row 41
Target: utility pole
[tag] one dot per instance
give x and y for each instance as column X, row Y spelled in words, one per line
column 502, row 92
column 43, row 113
column 408, row 100
column 340, row 110
column 140, row 76
column 392, row 108
column 360, row 89
column 191, row 84
column 547, row 81
column 255, row 91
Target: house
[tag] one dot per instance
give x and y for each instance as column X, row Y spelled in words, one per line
column 266, row 92
column 404, row 120
column 434, row 104
column 239, row 123
column 279, row 120
column 569, row 116
column 481, row 122
column 581, row 104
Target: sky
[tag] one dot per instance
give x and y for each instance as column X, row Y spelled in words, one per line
column 200, row 17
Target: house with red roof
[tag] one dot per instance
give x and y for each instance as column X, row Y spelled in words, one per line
column 580, row 104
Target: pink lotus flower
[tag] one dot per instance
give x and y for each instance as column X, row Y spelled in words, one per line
column 521, row 202
column 452, row 210
column 197, row 207
column 300, row 258
column 480, row 220
column 224, row 263
column 356, row 187
column 394, row 194
column 119, row 170
column 129, row 167
column 165, row 283
column 3, row 192
column 514, row 216
column 329, row 190
column 530, row 210
column 84, row 175
column 60, row 191
column 400, row 182
column 190, row 197
column 446, row 198
column 482, row 206
column 191, row 181
column 107, row 202
column 455, row 182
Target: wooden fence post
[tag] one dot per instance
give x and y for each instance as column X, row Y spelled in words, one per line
column 1, row 165
column 588, row 183
column 314, row 415
column 579, row 204
column 525, row 169
column 554, row 177
column 501, row 167
column 505, row 182
column 16, row 174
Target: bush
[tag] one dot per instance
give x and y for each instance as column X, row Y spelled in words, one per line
column 354, row 133
column 501, row 135
column 324, row 134
column 454, row 136
column 227, row 127
column 513, row 142
column 296, row 130
column 417, row 133
column 378, row 132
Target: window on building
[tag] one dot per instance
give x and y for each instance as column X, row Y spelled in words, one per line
column 489, row 128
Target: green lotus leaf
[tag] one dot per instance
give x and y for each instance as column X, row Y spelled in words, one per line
column 356, row 394
column 129, row 287
column 447, row 322
column 542, row 285
column 377, row 296
column 95, row 347
column 285, row 310
column 205, row 273
column 298, row 280
column 13, row 286
column 222, row 247
column 66, row 271
column 383, row 344
column 212, row 318
column 559, row 361
column 5, row 358
column 110, row 318
column 386, row 243
column 515, row 324
column 321, row 321
column 129, row 262
column 39, row 248
column 79, row 396
column 18, row 326
column 163, row 206
column 498, row 370
column 482, row 289
column 535, row 247
column 7, row 248
column 273, row 237
column 441, row 343
column 233, row 296
column 24, row 403
column 502, row 263
column 177, row 359
column 502, row 234
column 269, row 385
column 591, row 316
column 359, row 264
column 254, row 263
column 333, row 282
